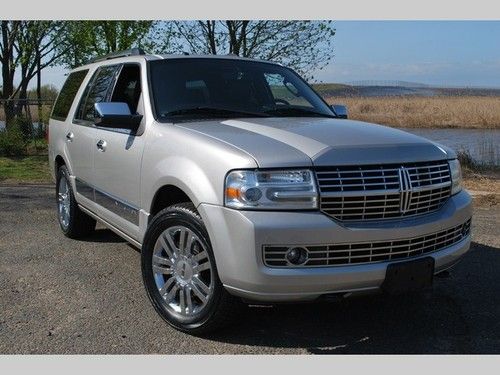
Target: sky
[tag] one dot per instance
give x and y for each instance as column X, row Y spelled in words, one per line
column 454, row 53
column 465, row 53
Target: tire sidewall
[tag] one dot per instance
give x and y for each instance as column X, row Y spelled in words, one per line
column 162, row 221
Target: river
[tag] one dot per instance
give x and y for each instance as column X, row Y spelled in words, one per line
column 482, row 144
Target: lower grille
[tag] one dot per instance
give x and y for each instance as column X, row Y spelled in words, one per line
column 369, row 252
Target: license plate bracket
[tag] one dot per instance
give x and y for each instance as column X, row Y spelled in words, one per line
column 409, row 276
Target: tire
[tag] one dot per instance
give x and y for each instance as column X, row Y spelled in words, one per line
column 73, row 222
column 184, row 272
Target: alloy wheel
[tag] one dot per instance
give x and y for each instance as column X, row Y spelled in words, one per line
column 63, row 202
column 183, row 271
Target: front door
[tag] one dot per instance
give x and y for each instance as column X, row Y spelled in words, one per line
column 82, row 132
column 117, row 158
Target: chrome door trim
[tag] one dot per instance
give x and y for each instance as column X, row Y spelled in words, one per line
column 116, row 205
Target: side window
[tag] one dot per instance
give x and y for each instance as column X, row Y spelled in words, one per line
column 128, row 87
column 284, row 92
column 67, row 95
column 98, row 90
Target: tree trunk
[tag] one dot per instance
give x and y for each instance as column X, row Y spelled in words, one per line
column 39, row 90
column 7, row 74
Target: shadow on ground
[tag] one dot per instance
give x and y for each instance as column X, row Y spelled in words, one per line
column 458, row 315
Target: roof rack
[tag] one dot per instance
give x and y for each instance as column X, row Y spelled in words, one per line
column 117, row 54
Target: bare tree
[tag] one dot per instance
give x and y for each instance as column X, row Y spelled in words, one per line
column 306, row 46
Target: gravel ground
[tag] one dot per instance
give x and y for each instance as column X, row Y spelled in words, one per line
column 64, row 296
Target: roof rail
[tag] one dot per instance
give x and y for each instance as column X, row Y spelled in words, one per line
column 117, row 54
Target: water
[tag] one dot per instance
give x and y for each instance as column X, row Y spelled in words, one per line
column 482, row 144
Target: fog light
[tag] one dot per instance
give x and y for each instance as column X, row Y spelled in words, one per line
column 297, row 255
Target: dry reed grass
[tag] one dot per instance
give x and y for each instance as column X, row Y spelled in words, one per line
column 425, row 112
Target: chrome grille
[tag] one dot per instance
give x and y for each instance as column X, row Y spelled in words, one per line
column 380, row 191
column 369, row 252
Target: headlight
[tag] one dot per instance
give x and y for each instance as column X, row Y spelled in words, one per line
column 456, row 176
column 271, row 190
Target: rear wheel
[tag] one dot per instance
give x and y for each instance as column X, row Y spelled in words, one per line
column 73, row 222
column 180, row 274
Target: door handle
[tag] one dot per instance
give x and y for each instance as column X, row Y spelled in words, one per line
column 101, row 145
column 69, row 137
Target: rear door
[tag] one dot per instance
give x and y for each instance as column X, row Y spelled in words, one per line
column 82, row 132
column 61, row 134
column 117, row 162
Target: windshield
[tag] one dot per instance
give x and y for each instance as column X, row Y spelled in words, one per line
column 207, row 88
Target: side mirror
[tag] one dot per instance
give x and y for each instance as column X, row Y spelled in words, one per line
column 116, row 115
column 340, row 110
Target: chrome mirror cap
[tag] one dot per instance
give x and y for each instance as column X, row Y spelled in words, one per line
column 112, row 108
column 340, row 110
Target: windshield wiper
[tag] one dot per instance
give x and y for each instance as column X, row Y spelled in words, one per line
column 213, row 111
column 294, row 111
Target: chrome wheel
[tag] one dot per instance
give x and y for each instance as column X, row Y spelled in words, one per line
column 63, row 202
column 183, row 271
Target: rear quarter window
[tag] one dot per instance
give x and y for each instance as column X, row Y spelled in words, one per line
column 67, row 95
column 98, row 90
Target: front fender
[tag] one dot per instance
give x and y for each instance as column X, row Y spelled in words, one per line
column 186, row 175
column 195, row 163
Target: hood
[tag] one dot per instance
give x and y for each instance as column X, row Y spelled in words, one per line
column 291, row 142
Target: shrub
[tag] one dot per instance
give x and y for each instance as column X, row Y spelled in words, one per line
column 466, row 160
column 25, row 126
column 12, row 142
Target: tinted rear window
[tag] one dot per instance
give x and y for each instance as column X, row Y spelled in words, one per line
column 67, row 95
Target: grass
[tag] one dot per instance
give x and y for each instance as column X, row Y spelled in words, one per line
column 25, row 169
column 484, row 186
column 480, row 112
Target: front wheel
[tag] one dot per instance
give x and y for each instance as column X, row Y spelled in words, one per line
column 180, row 275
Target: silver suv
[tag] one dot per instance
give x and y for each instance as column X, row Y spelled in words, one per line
column 239, row 183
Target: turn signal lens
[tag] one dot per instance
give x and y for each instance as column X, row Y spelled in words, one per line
column 232, row 193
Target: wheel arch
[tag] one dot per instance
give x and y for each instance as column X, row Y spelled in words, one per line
column 165, row 196
column 58, row 163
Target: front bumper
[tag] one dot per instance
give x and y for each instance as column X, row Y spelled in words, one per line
column 238, row 237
